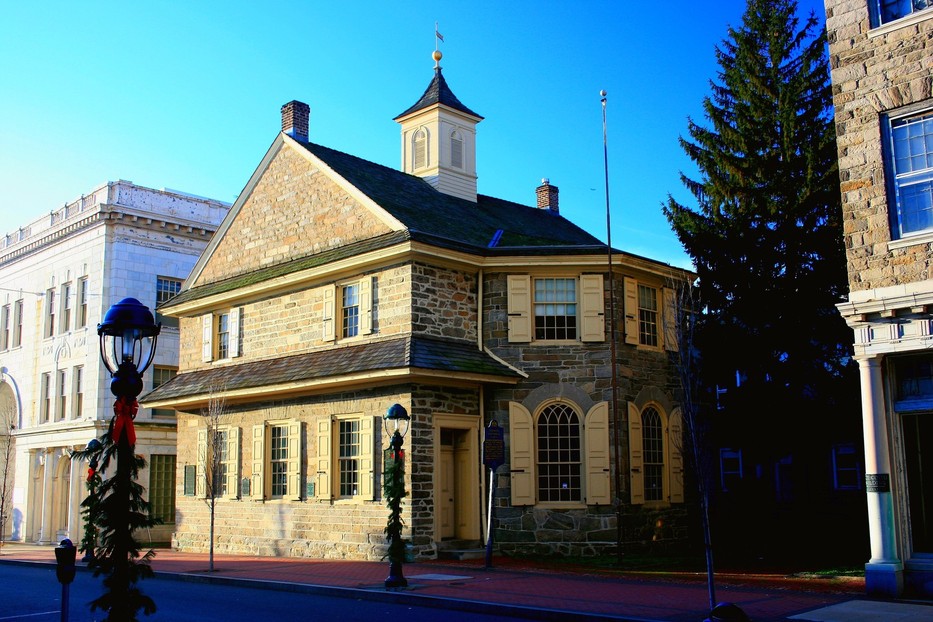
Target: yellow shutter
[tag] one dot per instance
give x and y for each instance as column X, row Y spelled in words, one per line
column 327, row 321
column 293, row 464
column 367, row 455
column 207, row 337
column 521, row 455
column 596, row 437
column 669, row 316
column 233, row 463
column 366, row 305
column 519, row 308
column 594, row 306
column 257, row 484
column 676, row 443
column 234, row 317
column 323, row 458
column 630, row 287
column 201, row 488
column 636, row 456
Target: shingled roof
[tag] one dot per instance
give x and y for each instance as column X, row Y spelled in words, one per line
column 410, row 352
column 438, row 93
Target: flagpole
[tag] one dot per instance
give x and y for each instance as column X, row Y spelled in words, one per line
column 614, row 388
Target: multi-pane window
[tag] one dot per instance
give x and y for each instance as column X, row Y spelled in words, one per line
column 166, row 288
column 222, row 338
column 45, row 397
column 5, row 327
column 221, row 463
column 847, row 468
column 278, row 460
column 647, row 316
column 66, row 308
column 78, row 383
column 348, row 461
column 82, row 302
column 555, row 305
column 17, row 324
column 160, row 375
column 350, row 310
column 912, row 164
column 559, row 455
column 730, row 468
column 61, row 399
column 49, row 312
column 653, row 452
column 162, row 487
column 890, row 10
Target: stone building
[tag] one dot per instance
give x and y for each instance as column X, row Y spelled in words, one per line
column 881, row 57
column 337, row 287
column 58, row 276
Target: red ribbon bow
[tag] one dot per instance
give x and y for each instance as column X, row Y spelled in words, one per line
column 125, row 410
column 90, row 474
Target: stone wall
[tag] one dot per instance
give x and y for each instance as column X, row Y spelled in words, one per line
column 875, row 72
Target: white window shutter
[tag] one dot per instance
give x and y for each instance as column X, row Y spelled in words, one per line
column 367, row 457
column 327, row 321
column 207, row 338
column 257, row 484
column 593, row 307
column 675, row 428
column 366, row 305
column 324, row 459
column 293, row 464
column 201, row 487
column 519, row 308
column 234, row 317
column 596, row 437
column 521, row 455
column 669, row 317
column 636, row 456
column 233, row 456
column 630, row 287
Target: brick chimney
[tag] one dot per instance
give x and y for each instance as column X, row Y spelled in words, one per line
column 295, row 116
column 547, row 196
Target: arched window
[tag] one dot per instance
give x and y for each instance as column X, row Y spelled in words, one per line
column 559, row 454
column 456, row 149
column 652, row 441
column 419, row 149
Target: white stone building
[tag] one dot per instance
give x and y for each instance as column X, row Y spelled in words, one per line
column 58, row 276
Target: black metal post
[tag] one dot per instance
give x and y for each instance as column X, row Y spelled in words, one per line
column 65, row 571
column 396, row 548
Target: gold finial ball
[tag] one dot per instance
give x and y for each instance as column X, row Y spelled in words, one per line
column 437, row 56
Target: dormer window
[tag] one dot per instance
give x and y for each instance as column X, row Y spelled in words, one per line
column 420, row 149
column 456, row 149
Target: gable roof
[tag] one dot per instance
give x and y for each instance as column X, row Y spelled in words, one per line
column 412, row 357
column 438, row 93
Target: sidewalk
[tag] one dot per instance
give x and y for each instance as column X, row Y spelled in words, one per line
column 524, row 590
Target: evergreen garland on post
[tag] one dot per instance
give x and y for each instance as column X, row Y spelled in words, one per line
column 393, row 487
column 89, row 508
column 117, row 552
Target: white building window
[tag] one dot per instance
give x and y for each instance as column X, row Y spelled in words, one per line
column 5, row 327
column 166, row 289
column 555, row 308
column 345, row 454
column 847, row 467
column 162, row 487
column 420, row 149
column 889, row 10
column 17, row 324
column 560, row 455
column 456, row 149
column 45, row 397
column 730, row 468
column 50, row 312
column 221, row 335
column 66, row 308
column 348, row 309
column 655, row 455
column 77, row 382
column 61, row 399
column 910, row 160
column 82, row 302
column 276, row 460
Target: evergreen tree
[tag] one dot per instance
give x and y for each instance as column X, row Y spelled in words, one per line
column 766, row 235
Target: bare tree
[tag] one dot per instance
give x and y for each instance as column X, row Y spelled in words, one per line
column 7, row 443
column 215, row 444
column 686, row 301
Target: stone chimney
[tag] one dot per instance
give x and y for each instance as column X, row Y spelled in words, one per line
column 547, row 196
column 295, row 115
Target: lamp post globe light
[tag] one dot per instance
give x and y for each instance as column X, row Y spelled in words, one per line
column 128, row 336
column 398, row 419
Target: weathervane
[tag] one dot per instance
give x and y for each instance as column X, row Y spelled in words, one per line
column 437, row 53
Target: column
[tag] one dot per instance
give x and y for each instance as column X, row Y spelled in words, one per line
column 884, row 571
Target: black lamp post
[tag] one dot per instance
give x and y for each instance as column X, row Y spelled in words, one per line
column 89, row 541
column 128, row 338
column 394, row 486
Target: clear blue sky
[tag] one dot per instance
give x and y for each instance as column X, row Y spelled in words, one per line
column 186, row 95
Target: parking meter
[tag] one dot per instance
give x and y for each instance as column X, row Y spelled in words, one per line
column 65, row 561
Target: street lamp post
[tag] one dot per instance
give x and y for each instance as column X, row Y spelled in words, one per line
column 128, row 338
column 89, row 541
column 394, row 487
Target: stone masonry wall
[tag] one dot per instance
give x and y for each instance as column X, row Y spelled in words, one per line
column 874, row 73
column 295, row 210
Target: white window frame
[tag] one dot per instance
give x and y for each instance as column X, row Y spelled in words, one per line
column 65, row 323
column 328, row 460
column 665, row 315
column 210, row 342
column 878, row 19
column 419, row 149
column 899, row 179
column 5, row 327
column 672, row 472
column 522, row 308
column 848, row 449
column 229, row 466
column 160, row 375
column 167, row 287
column 83, row 296
column 45, row 397
column 332, row 319
column 162, row 485
column 77, row 384
column 18, row 323
column 61, row 395
column 50, row 312
column 261, row 475
column 728, row 456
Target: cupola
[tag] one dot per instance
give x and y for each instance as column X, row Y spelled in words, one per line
column 439, row 139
